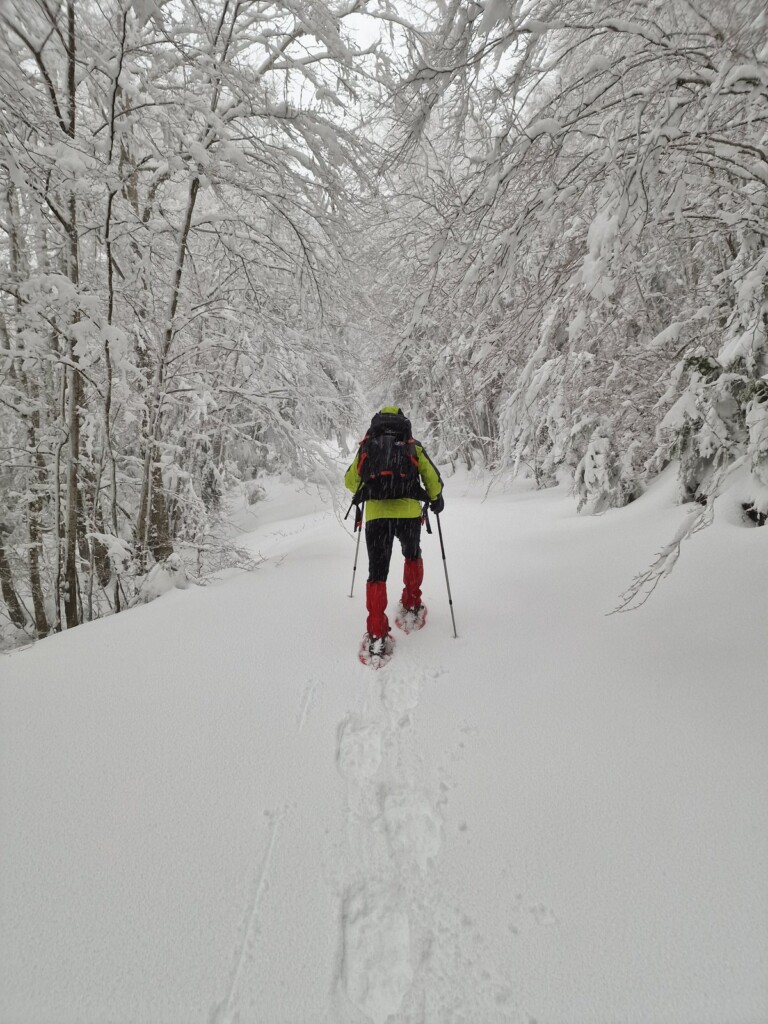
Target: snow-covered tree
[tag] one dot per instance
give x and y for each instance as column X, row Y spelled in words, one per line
column 596, row 185
column 176, row 183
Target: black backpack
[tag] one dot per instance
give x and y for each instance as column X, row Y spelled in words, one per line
column 387, row 461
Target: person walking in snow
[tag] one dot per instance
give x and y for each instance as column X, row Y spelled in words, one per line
column 391, row 475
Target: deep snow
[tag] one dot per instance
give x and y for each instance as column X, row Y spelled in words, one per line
column 212, row 812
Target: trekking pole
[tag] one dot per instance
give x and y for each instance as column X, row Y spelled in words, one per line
column 359, row 529
column 445, row 567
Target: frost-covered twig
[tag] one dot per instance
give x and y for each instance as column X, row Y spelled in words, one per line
column 646, row 582
column 698, row 519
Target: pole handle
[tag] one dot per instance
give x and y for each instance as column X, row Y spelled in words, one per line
column 425, row 517
column 359, row 530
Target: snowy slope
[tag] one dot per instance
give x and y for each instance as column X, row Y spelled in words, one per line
column 212, row 813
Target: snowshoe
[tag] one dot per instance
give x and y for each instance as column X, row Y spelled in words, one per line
column 376, row 651
column 410, row 619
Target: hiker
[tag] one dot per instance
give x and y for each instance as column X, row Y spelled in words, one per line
column 391, row 475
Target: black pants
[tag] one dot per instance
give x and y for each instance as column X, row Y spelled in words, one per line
column 379, row 537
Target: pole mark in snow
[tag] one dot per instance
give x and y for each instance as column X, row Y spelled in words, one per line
column 309, row 699
column 222, row 1012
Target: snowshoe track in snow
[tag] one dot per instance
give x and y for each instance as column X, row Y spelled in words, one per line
column 406, row 954
column 414, row 827
column 359, row 749
column 376, row 970
column 393, row 833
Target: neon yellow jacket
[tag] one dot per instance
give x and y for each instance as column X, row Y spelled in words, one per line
column 399, row 508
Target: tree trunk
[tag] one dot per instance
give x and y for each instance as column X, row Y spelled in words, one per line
column 149, row 517
column 34, row 528
column 108, row 446
column 160, row 543
column 58, row 526
column 37, row 484
column 71, row 581
column 15, row 610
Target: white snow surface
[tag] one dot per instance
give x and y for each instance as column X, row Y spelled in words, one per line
column 211, row 812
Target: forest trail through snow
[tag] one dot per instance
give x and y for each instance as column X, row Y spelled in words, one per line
column 212, row 812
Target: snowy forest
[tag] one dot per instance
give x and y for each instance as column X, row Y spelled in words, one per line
column 233, row 233
column 224, row 225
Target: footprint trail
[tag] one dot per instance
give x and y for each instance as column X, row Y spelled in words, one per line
column 406, row 954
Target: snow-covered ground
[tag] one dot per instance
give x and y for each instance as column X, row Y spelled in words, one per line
column 211, row 812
